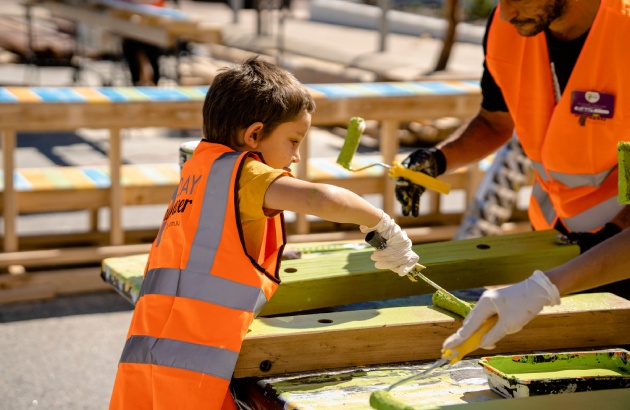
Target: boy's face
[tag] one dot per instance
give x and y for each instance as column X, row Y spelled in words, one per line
column 280, row 149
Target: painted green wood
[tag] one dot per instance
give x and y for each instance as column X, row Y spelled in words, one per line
column 285, row 344
column 350, row 277
column 463, row 385
column 346, row 277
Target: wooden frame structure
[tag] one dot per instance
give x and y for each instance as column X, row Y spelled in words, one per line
column 117, row 108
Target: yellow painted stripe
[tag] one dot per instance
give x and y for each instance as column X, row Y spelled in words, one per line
column 415, row 88
column 76, row 177
column 24, row 94
column 315, row 93
column 38, row 179
column 132, row 94
column 91, row 95
column 462, row 85
column 133, row 176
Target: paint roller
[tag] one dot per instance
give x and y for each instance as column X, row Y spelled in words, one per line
column 350, row 145
column 383, row 399
column 441, row 298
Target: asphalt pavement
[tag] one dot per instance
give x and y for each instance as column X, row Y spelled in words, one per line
column 62, row 353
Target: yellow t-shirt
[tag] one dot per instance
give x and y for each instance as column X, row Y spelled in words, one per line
column 253, row 184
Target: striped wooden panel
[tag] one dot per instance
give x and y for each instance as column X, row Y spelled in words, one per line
column 100, row 95
column 92, row 177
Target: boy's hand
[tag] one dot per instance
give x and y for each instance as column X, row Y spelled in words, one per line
column 516, row 305
column 397, row 256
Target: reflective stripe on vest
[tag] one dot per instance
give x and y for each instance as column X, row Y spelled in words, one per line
column 573, row 180
column 544, row 203
column 181, row 355
column 203, row 287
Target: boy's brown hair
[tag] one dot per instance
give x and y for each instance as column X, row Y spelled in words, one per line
column 253, row 91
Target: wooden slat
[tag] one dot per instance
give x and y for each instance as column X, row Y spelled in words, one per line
column 343, row 278
column 390, row 335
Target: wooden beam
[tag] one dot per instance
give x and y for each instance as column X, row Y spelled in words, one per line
column 350, row 277
column 289, row 344
column 314, row 283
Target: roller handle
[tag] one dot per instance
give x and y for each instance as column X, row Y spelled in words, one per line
column 376, row 240
column 472, row 343
column 419, row 178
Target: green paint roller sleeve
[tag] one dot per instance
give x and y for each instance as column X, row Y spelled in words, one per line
column 451, row 303
column 383, row 400
column 623, row 152
column 351, row 142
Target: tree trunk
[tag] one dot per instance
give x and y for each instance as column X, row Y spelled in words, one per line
column 451, row 14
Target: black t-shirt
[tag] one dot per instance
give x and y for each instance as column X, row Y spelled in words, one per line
column 563, row 54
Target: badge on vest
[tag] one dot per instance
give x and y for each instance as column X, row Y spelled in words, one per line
column 592, row 104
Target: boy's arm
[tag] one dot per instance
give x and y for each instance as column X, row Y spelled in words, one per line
column 328, row 202
column 341, row 205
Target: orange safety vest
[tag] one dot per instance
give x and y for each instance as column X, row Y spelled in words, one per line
column 201, row 291
column 576, row 165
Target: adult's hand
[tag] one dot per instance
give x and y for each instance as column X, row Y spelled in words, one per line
column 430, row 161
column 515, row 305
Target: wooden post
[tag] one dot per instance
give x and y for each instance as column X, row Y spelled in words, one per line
column 9, row 200
column 116, row 233
column 389, row 146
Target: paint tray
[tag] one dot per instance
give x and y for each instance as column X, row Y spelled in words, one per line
column 554, row 373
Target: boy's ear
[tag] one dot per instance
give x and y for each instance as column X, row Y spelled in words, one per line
column 253, row 134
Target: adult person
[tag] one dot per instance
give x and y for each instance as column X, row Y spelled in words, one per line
column 143, row 59
column 555, row 73
column 516, row 305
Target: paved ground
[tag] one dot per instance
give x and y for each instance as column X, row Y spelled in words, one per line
column 62, row 353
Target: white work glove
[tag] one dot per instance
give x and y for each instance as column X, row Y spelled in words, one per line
column 516, row 305
column 398, row 255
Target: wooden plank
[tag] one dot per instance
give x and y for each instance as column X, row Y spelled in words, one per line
column 9, row 199
column 289, row 344
column 470, row 263
column 49, row 284
column 462, row 386
column 463, row 264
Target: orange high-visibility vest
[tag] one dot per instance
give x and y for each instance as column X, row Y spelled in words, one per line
column 200, row 293
column 576, row 165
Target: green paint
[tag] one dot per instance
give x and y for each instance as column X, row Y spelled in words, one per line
column 623, row 153
column 451, row 303
column 351, row 142
column 383, row 400
column 560, row 366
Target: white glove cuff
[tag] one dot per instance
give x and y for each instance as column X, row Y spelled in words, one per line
column 543, row 281
column 379, row 226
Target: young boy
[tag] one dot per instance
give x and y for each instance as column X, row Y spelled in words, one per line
column 215, row 261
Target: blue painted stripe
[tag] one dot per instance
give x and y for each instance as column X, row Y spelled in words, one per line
column 333, row 91
column 100, row 178
column 58, row 94
column 388, row 89
column 113, row 94
column 6, row 96
column 163, row 94
column 20, row 183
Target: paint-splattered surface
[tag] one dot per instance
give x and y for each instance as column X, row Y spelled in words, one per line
column 350, row 389
column 536, row 374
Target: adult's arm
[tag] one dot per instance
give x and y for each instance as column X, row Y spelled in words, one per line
column 605, row 263
column 481, row 136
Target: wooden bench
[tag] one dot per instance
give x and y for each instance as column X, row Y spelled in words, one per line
column 117, row 108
